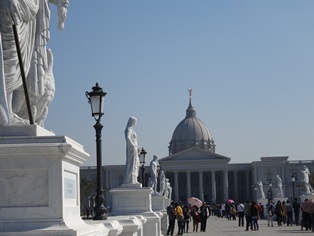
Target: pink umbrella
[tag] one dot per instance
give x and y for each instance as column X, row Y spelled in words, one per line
column 195, row 201
column 231, row 201
column 308, row 206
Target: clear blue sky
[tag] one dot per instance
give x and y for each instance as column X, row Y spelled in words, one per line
column 250, row 65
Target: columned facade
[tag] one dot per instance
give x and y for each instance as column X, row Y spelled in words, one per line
column 202, row 184
column 188, row 180
column 214, row 195
column 176, row 185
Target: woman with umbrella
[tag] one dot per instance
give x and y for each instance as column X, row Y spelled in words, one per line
column 196, row 217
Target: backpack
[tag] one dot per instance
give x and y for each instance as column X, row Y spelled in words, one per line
column 277, row 211
column 271, row 207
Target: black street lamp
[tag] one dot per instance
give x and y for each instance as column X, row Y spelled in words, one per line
column 293, row 181
column 255, row 191
column 142, row 161
column 270, row 190
column 95, row 99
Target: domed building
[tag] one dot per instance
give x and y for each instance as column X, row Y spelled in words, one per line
column 193, row 167
column 191, row 132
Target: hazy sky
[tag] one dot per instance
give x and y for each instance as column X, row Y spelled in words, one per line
column 250, row 65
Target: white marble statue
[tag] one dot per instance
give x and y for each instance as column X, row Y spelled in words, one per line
column 279, row 185
column 167, row 184
column 154, row 173
column 261, row 189
column 305, row 180
column 162, row 183
column 32, row 18
column 169, row 189
column 132, row 153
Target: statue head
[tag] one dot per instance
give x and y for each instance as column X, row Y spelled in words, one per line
column 131, row 122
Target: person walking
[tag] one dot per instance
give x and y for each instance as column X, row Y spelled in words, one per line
column 254, row 215
column 284, row 212
column 186, row 219
column 296, row 210
column 261, row 214
column 240, row 209
column 248, row 217
column 171, row 218
column 204, row 215
column 270, row 212
column 179, row 215
column 195, row 217
column 278, row 213
column 306, row 217
column 289, row 210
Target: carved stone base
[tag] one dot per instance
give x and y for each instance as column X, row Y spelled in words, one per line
column 40, row 183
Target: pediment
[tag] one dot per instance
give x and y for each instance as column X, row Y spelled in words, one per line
column 195, row 154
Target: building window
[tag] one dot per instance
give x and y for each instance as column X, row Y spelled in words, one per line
column 120, row 180
column 269, row 176
column 295, row 174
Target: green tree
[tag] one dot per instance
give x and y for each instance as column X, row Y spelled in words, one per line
column 87, row 187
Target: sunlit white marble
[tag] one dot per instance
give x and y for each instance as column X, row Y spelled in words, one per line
column 39, row 181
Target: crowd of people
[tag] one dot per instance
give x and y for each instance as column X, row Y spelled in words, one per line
column 247, row 213
column 186, row 213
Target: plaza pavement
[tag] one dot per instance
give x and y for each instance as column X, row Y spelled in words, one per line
column 223, row 227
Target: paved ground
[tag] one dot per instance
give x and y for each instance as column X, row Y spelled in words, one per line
column 223, row 227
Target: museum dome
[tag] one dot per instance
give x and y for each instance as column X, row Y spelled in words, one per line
column 191, row 132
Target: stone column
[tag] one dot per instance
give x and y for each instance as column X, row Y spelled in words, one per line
column 201, row 188
column 236, row 190
column 226, row 186
column 176, row 186
column 188, row 180
column 247, row 184
column 256, row 175
column 214, row 196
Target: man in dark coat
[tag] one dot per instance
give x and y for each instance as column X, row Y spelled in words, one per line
column 204, row 215
column 171, row 218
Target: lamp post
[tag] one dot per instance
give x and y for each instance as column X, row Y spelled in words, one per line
column 270, row 190
column 142, row 161
column 293, row 181
column 255, row 191
column 95, row 99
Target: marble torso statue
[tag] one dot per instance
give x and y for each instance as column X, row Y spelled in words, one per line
column 154, row 173
column 162, row 183
column 261, row 189
column 305, row 180
column 279, row 185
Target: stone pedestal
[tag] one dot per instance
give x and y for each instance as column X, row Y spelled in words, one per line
column 264, row 201
column 136, row 201
column 167, row 202
column 280, row 199
column 158, row 206
column 158, row 202
column 131, row 201
column 40, row 184
column 306, row 196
